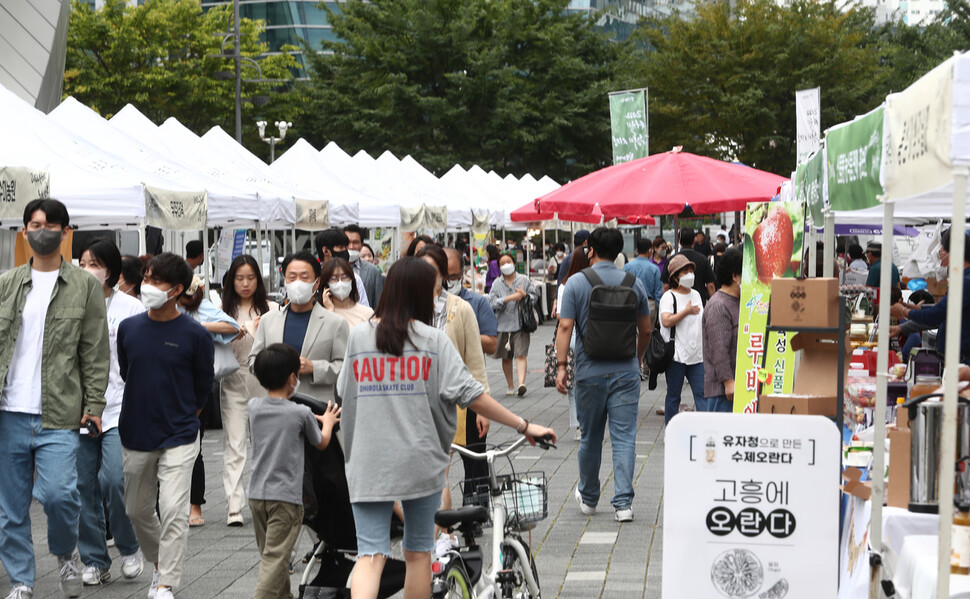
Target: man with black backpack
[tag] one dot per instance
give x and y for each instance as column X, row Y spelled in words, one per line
column 610, row 310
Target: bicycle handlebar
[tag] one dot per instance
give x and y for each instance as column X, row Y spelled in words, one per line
column 543, row 442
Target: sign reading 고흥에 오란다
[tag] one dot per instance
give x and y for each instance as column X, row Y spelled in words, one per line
column 751, row 506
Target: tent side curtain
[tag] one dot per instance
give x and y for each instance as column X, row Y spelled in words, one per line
column 312, row 215
column 177, row 211
column 18, row 187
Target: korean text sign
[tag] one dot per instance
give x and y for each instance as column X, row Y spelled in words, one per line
column 751, row 506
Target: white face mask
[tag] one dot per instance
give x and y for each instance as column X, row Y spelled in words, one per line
column 300, row 292
column 450, row 285
column 100, row 274
column 354, row 255
column 560, row 255
column 507, row 268
column 687, row 280
column 340, row 290
column 153, row 298
column 295, row 387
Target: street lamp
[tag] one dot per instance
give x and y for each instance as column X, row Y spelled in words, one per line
column 271, row 140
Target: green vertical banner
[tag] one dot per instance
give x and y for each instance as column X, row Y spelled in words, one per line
column 774, row 232
column 855, row 159
column 629, row 125
column 808, row 184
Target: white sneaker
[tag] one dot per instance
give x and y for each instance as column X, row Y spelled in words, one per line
column 164, row 593
column 93, row 576
column 579, row 434
column 444, row 544
column 588, row 510
column 132, row 565
column 153, row 588
column 70, row 572
column 623, row 515
column 21, row 591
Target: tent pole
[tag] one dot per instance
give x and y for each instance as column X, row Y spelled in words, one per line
column 206, row 263
column 471, row 257
column 954, row 315
column 882, row 380
column 828, row 245
column 259, row 246
column 812, row 251
column 293, row 239
column 504, row 247
column 142, row 239
column 677, row 247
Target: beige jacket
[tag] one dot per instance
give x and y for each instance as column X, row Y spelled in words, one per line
column 324, row 344
column 462, row 329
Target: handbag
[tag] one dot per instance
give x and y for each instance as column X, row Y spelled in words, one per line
column 552, row 364
column 660, row 353
column 528, row 319
column 224, row 361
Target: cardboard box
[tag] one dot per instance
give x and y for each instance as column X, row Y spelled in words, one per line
column 851, row 484
column 815, row 389
column 805, row 302
column 897, row 491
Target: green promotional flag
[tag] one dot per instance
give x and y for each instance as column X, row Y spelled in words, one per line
column 629, row 125
column 808, row 185
column 854, row 158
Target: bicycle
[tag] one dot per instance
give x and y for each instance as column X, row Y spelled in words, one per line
column 512, row 574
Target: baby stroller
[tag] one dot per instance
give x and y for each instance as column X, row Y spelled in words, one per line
column 327, row 512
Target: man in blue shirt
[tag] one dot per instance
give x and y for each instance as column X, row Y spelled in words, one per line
column 874, row 255
column 935, row 315
column 166, row 360
column 606, row 390
column 648, row 273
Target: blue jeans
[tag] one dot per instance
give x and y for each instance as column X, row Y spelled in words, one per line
column 718, row 403
column 373, row 522
column 614, row 397
column 24, row 447
column 675, row 383
column 101, row 481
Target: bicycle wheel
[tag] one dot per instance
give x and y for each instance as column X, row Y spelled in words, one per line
column 515, row 585
column 456, row 584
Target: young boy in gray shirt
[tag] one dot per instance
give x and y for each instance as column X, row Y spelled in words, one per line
column 280, row 429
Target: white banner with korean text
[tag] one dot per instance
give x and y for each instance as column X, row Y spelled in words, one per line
column 18, row 186
column 808, row 122
column 751, row 506
column 176, row 210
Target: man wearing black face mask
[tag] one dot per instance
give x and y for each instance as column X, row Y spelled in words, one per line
column 54, row 367
column 333, row 243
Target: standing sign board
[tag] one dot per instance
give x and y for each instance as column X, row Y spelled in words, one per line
column 231, row 244
column 774, row 232
column 751, row 506
column 808, row 122
column 629, row 125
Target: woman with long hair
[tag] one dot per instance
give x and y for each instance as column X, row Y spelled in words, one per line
column 493, row 269
column 577, row 262
column 402, row 381
column 243, row 299
column 417, row 243
column 339, row 293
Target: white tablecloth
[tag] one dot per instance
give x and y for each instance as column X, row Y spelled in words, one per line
column 915, row 576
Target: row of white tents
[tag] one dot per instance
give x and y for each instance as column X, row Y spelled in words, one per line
column 126, row 172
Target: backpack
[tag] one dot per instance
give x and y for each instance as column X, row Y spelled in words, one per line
column 611, row 325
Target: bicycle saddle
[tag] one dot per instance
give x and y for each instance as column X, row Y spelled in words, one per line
column 462, row 515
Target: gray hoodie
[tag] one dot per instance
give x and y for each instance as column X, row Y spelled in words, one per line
column 399, row 416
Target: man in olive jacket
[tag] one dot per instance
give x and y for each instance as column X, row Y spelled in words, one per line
column 54, row 361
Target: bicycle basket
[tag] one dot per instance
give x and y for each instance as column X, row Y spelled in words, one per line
column 525, row 494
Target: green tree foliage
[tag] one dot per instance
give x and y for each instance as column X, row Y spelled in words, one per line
column 159, row 57
column 511, row 85
column 723, row 84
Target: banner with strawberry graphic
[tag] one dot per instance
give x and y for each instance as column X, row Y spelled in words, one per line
column 774, row 233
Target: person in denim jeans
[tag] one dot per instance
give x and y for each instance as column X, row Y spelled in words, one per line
column 681, row 310
column 54, row 364
column 607, row 391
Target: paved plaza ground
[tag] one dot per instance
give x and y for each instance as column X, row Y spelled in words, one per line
column 577, row 556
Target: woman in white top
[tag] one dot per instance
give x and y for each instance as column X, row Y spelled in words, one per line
column 681, row 311
column 243, row 299
column 339, row 294
column 100, row 476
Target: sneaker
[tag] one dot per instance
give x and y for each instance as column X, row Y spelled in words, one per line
column 70, row 566
column 588, row 510
column 444, row 545
column 164, row 593
column 153, row 587
column 110, row 541
column 522, row 390
column 623, row 514
column 579, row 434
column 21, row 591
column 132, row 565
column 93, row 576
column 235, row 519
column 510, row 391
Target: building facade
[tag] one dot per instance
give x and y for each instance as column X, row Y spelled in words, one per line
column 33, row 50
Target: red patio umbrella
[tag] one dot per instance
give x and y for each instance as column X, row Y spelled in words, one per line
column 528, row 214
column 663, row 184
